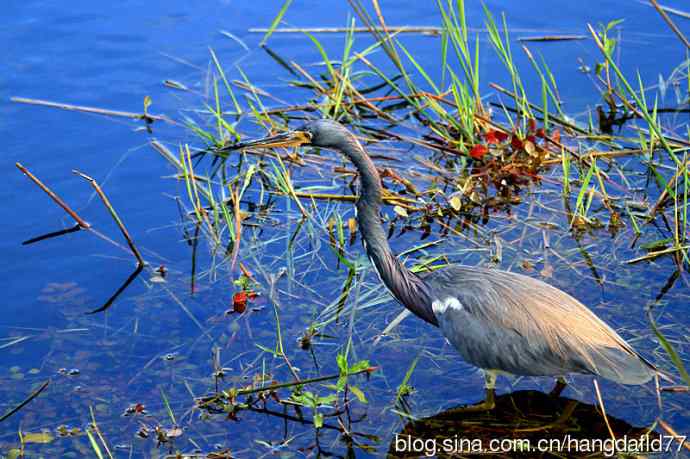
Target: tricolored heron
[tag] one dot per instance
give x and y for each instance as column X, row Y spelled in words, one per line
column 499, row 321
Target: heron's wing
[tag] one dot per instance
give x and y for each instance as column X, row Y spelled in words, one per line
column 510, row 322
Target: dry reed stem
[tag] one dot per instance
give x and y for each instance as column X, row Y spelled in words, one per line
column 81, row 222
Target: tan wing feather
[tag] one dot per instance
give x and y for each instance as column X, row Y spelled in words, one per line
column 546, row 319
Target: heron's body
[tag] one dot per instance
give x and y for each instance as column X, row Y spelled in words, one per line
column 497, row 320
column 505, row 321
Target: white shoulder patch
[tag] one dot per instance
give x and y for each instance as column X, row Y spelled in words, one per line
column 440, row 306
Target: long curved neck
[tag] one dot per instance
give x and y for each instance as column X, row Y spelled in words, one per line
column 404, row 285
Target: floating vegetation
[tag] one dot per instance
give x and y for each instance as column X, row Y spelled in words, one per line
column 275, row 339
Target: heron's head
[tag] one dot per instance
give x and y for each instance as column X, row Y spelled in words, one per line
column 319, row 133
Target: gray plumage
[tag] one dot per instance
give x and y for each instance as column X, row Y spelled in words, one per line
column 497, row 320
column 514, row 323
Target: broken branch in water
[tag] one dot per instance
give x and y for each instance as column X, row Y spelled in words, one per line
column 672, row 25
column 426, row 30
column 204, row 401
column 81, row 222
column 98, row 111
column 554, row 38
column 110, row 208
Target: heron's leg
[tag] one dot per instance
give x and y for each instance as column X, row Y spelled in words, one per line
column 490, row 388
column 561, row 384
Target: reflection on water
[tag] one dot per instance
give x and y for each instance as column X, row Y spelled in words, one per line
column 520, row 421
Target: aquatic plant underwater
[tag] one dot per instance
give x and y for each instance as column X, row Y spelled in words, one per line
column 309, row 354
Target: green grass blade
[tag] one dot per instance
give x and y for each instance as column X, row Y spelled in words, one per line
column 275, row 22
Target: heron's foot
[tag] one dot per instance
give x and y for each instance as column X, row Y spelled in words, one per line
column 558, row 387
column 487, row 405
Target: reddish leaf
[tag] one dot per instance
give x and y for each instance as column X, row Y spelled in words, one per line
column 491, row 137
column 501, row 136
column 478, row 151
column 556, row 136
column 135, row 409
column 531, row 138
column 239, row 302
column 541, row 133
column 531, row 125
column 516, row 143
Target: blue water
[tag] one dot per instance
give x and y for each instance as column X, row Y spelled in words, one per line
column 112, row 55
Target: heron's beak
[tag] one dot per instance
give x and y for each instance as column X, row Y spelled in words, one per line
column 286, row 139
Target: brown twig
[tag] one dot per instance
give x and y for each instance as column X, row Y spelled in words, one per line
column 671, row 431
column 406, row 203
column 602, row 154
column 235, row 198
column 664, row 194
column 203, row 401
column 110, row 208
column 273, row 387
column 656, row 254
column 554, row 38
column 670, row 23
column 675, row 389
column 603, row 409
column 81, row 222
column 425, row 30
column 98, row 111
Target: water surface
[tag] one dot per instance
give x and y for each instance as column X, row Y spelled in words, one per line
column 112, row 56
